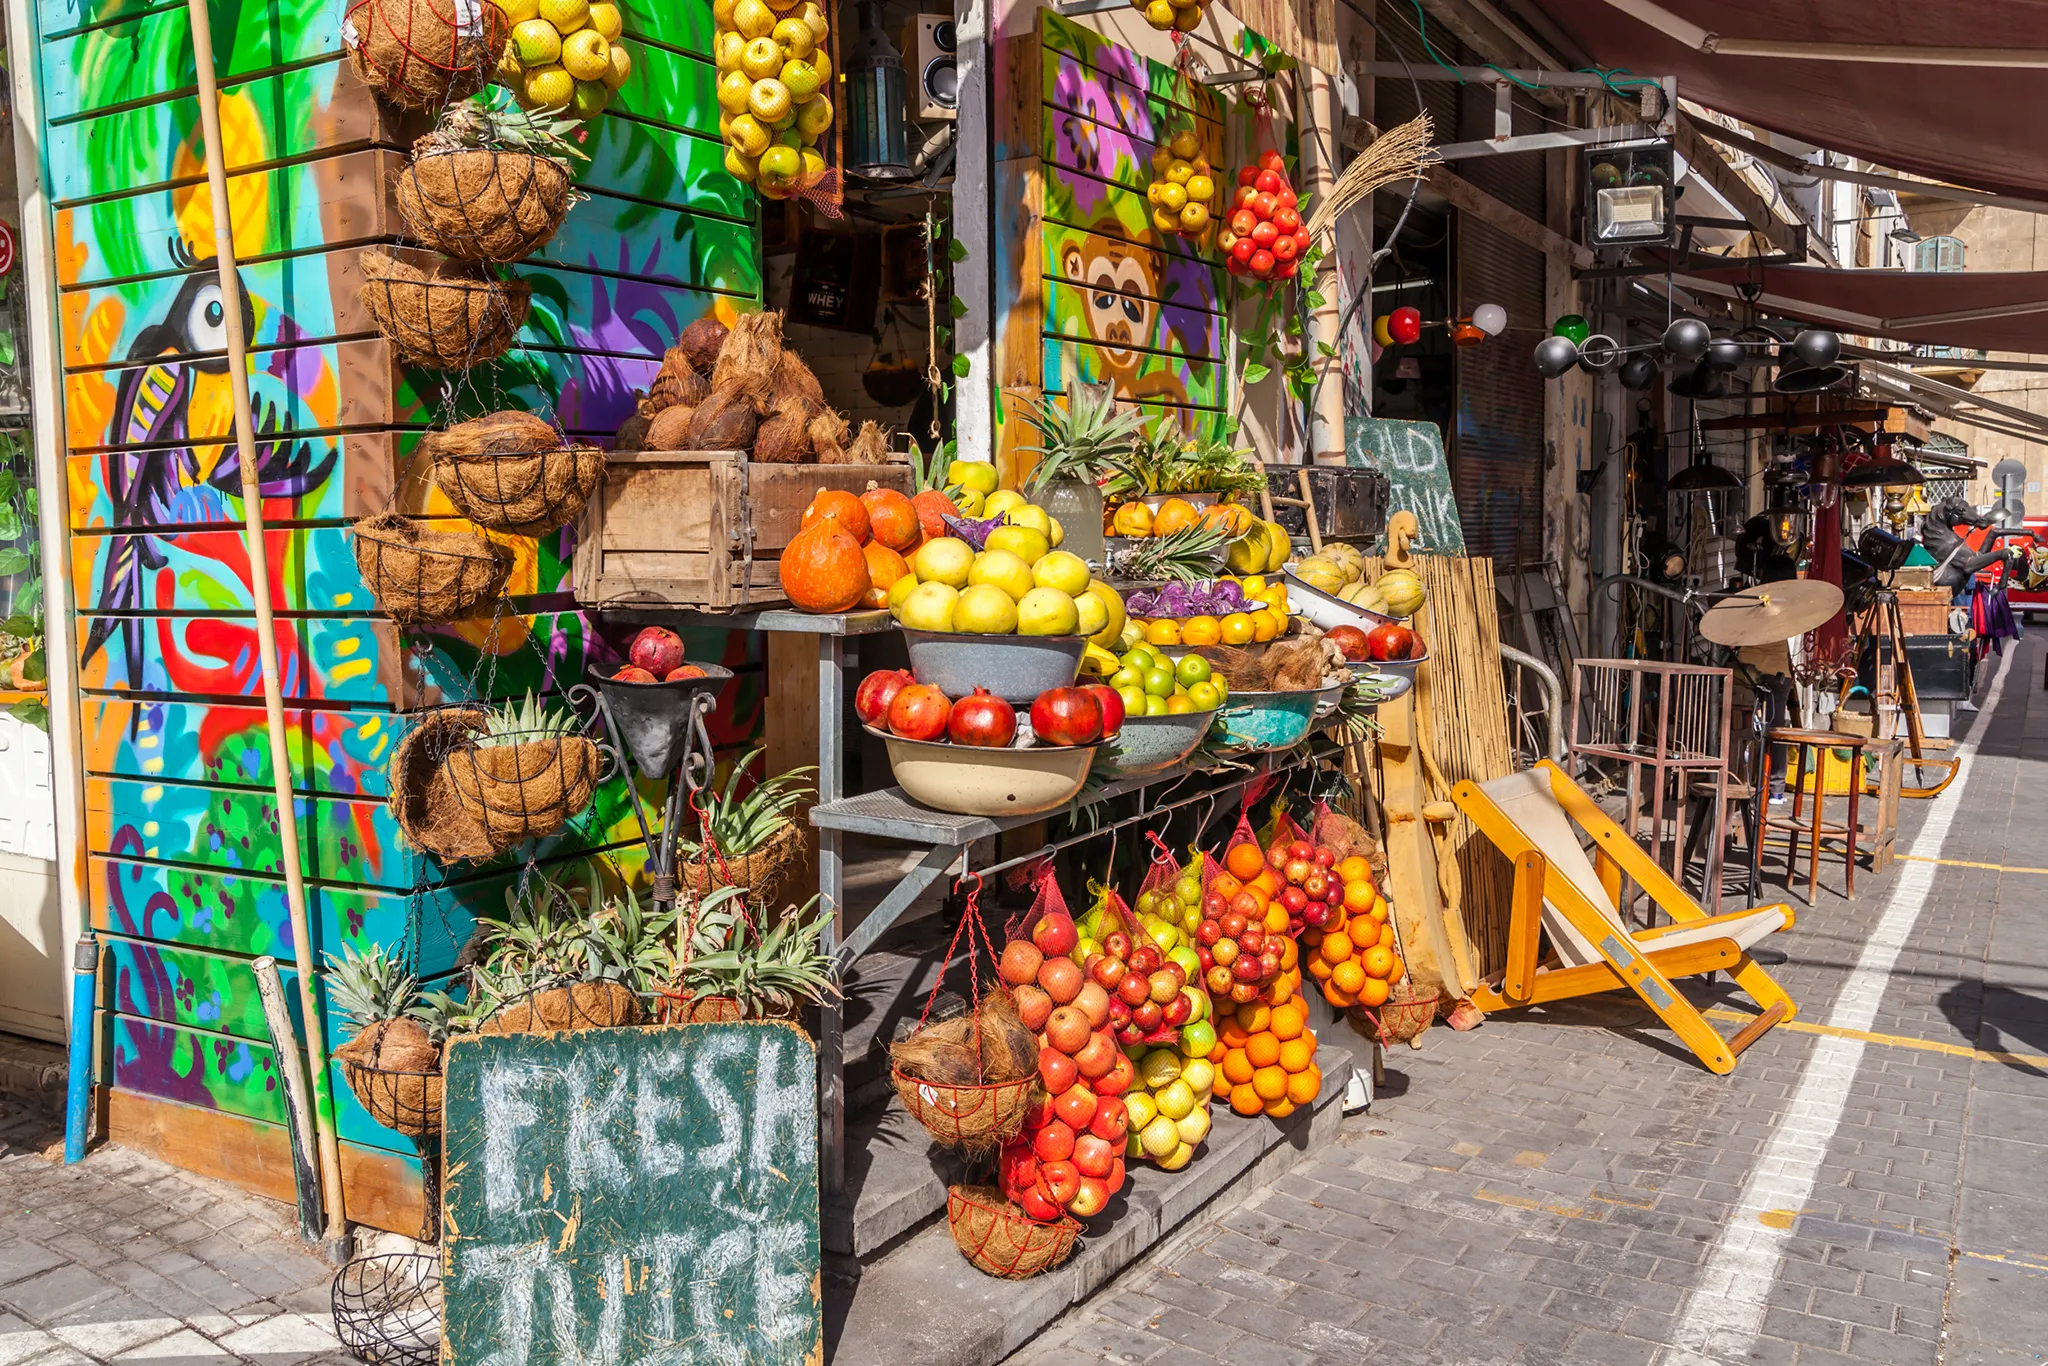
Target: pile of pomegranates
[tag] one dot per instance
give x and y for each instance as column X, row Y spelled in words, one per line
column 656, row 657
column 893, row 700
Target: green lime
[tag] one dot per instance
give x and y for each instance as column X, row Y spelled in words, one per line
column 1139, row 659
column 1134, row 699
column 1205, row 697
column 1159, row 682
column 1155, row 706
column 1127, row 677
column 1192, row 669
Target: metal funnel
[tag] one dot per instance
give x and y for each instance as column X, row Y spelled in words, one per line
column 652, row 720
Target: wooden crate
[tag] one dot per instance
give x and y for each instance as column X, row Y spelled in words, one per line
column 701, row 529
column 1924, row 611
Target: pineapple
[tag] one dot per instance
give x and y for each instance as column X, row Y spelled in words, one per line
column 493, row 123
column 1192, row 553
column 742, row 825
column 1089, row 438
column 380, row 997
column 767, row 974
column 523, row 722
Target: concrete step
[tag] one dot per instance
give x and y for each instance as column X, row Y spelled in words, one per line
column 919, row 1303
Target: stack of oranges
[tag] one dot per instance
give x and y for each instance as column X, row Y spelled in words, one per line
column 1268, row 1052
column 1178, row 514
column 1353, row 953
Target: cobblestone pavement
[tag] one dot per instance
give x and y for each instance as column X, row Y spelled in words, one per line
column 1565, row 1186
column 123, row 1259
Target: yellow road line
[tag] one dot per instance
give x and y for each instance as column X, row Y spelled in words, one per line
column 1955, row 1050
column 1965, row 863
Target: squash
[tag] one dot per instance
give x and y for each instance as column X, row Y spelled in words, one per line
column 1402, row 590
column 851, row 512
column 823, row 568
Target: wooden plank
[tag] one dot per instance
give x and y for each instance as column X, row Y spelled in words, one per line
column 333, row 477
column 1142, row 376
column 1114, row 60
column 1131, row 265
column 1107, row 153
column 124, row 62
column 1073, row 87
column 344, row 753
column 1121, row 321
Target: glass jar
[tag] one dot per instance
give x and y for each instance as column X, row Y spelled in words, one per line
column 1077, row 504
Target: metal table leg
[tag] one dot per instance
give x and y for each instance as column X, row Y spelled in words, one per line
column 831, row 886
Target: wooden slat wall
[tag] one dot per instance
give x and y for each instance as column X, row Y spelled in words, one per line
column 181, row 820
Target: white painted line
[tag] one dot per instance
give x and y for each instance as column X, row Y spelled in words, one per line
column 1725, row 1308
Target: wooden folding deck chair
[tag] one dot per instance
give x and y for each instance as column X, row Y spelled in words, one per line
column 1557, row 889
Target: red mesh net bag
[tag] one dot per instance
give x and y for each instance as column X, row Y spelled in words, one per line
column 1240, row 912
column 1349, row 839
column 969, row 1080
column 999, row 1239
column 421, row 54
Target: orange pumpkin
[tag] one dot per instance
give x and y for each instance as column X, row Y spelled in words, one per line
column 885, row 566
column 891, row 519
column 851, row 512
column 823, row 568
column 933, row 507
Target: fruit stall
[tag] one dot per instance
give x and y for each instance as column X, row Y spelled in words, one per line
column 621, row 659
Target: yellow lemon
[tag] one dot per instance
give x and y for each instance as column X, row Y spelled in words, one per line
column 621, row 67
column 796, row 38
column 566, row 15
column 761, row 59
column 591, row 98
column 549, row 87
column 586, row 55
column 753, row 19
column 519, row 11
column 1024, row 515
column 742, row 168
column 978, row 475
column 768, row 101
column 813, row 117
column 538, row 41
column 606, row 19
column 747, row 136
column 800, row 76
column 733, row 89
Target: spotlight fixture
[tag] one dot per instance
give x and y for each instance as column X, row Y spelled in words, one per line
column 1628, row 193
column 1555, row 355
column 1686, row 339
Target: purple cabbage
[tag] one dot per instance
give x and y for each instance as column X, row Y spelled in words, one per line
column 975, row 533
column 1210, row 598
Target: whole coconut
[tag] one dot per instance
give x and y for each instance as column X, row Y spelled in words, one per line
column 701, row 342
column 785, row 438
column 723, row 422
column 792, row 376
column 670, row 429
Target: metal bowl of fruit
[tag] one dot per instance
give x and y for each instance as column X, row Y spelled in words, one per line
column 973, row 780
column 1391, row 647
column 1392, row 683
column 1014, row 668
column 1152, row 744
column 1267, row 720
column 1325, row 609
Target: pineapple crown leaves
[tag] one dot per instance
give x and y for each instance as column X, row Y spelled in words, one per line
column 1192, row 553
column 493, row 122
column 369, row 987
column 775, row 970
column 742, row 824
column 1166, row 461
column 1087, row 439
column 527, row 720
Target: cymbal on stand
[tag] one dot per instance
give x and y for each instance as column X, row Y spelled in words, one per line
column 1771, row 612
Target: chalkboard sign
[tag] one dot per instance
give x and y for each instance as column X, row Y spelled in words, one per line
column 1412, row 455
column 632, row 1196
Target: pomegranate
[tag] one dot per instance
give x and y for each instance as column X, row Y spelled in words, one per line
column 632, row 673
column 1112, row 703
column 1066, row 716
column 919, row 712
column 1391, row 641
column 684, row 674
column 657, row 650
column 983, row 720
column 1348, row 639
column 871, row 700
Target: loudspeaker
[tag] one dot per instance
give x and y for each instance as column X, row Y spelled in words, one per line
column 933, row 71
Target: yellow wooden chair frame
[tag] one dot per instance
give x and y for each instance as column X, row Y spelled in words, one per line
column 1613, row 955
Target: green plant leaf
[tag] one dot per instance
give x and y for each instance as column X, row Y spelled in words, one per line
column 1323, row 348
column 20, row 627
column 14, row 561
column 1313, row 298
column 956, row 249
column 1255, row 372
column 957, row 306
column 961, row 365
column 35, row 714
column 35, row 668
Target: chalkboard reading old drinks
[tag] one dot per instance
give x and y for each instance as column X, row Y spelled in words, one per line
column 632, row 1197
column 1418, row 475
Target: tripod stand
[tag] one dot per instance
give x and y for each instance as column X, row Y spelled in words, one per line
column 1925, row 777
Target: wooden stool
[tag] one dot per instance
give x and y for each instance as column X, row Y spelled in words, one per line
column 1813, row 746
column 1738, row 799
column 1881, row 827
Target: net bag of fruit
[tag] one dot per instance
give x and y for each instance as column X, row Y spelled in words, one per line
column 969, row 1080
column 775, row 90
column 1348, row 839
column 1242, row 926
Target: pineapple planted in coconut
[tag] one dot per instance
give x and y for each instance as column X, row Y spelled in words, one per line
column 491, row 182
column 393, row 1061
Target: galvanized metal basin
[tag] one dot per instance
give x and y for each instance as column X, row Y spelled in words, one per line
column 1267, row 720
column 969, row 781
column 1014, row 668
column 1153, row 744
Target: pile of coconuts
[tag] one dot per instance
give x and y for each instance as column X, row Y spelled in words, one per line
column 739, row 390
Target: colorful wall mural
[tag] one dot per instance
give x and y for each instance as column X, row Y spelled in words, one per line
column 181, row 819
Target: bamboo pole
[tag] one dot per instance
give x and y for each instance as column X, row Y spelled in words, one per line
column 266, row 642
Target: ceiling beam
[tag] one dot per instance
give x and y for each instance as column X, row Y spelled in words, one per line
column 1496, row 40
column 1789, row 161
column 1464, row 195
column 1710, row 165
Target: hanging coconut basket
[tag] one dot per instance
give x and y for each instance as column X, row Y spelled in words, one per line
column 573, row 1005
column 671, row 1008
column 999, row 1239
column 765, row 871
column 451, row 315
column 423, row 799
column 525, row 785
column 421, row 54
column 512, row 472
column 421, row 576
column 481, row 204
column 395, row 1071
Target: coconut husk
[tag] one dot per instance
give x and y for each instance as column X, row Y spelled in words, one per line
column 999, row 1239
column 678, row 380
column 723, row 422
column 632, row 433
column 1008, row 1050
column 870, row 446
column 526, row 495
column 750, row 361
column 765, row 871
column 785, row 438
column 1297, row 665
column 792, row 376
column 943, row 1053
column 479, row 205
column 701, row 342
column 422, row 576
column 421, row 54
column 452, row 315
column 423, row 800
column 584, row 1005
column 395, row 1071
column 828, row 439
column 683, row 1009
column 942, row 1076
column 670, row 430
column 507, row 432
column 527, row 789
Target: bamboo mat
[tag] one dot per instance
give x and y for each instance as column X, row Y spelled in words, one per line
column 1461, row 711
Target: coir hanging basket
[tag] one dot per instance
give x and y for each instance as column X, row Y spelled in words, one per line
column 423, row 800
column 421, row 576
column 451, row 315
column 526, row 494
column 395, row 1071
column 999, row 1239
column 579, row 1005
column 421, row 54
column 765, row 871
column 525, row 787
column 482, row 204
